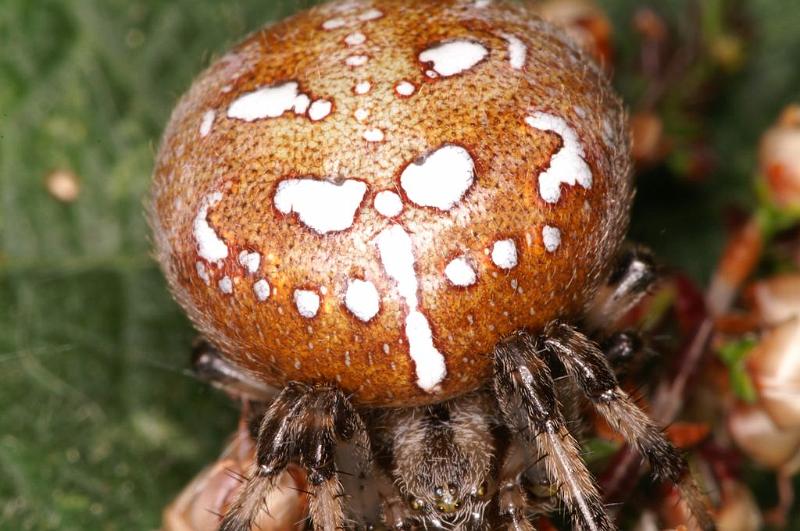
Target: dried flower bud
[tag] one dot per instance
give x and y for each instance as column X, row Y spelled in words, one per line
column 777, row 299
column 779, row 159
column 650, row 25
column 649, row 144
column 774, row 365
column 210, row 494
column 739, row 510
column 761, row 439
column 63, row 185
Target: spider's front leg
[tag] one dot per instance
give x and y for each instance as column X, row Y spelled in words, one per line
column 634, row 274
column 526, row 394
column 586, row 364
column 302, row 425
column 514, row 504
column 395, row 512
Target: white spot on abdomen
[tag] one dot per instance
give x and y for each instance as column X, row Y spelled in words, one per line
column 405, row 88
column 388, row 204
column 250, row 261
column 334, row 23
column 355, row 39
column 226, row 285
column 321, row 205
column 551, row 236
column 202, row 272
column 301, row 103
column 454, row 57
column 397, row 257
column 460, row 272
column 430, row 365
column 440, row 179
column 370, row 14
column 373, row 135
column 319, row 110
column 307, row 302
column 361, row 114
column 362, row 299
column 207, row 122
column 266, row 102
column 568, row 166
column 209, row 245
column 356, row 60
column 363, row 87
column 517, row 50
column 504, row 254
column 262, row 290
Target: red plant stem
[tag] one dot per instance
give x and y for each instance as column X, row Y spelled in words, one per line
column 670, row 395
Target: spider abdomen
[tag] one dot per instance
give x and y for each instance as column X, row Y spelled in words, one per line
column 374, row 195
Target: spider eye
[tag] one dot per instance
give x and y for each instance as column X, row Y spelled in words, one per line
column 416, row 504
column 482, row 489
column 543, row 489
column 438, row 492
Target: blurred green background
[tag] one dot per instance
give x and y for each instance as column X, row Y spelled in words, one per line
column 100, row 425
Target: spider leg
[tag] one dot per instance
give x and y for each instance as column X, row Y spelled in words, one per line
column 589, row 368
column 621, row 348
column 631, row 278
column 302, row 425
column 513, row 502
column 526, row 395
column 210, row 366
column 395, row 512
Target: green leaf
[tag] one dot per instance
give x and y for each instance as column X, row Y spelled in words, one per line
column 734, row 354
column 596, row 450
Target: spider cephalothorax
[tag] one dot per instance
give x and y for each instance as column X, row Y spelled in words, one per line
column 444, row 460
column 397, row 213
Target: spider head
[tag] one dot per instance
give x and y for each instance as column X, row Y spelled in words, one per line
column 450, row 507
column 444, row 461
column 450, row 493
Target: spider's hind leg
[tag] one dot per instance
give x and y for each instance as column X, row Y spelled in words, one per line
column 587, row 366
column 210, row 366
column 301, row 426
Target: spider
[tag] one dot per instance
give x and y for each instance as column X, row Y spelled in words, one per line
column 398, row 215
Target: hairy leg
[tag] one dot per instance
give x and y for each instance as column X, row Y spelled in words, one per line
column 301, row 426
column 588, row 367
column 622, row 348
column 632, row 276
column 210, row 366
column 395, row 512
column 514, row 504
column 526, row 394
